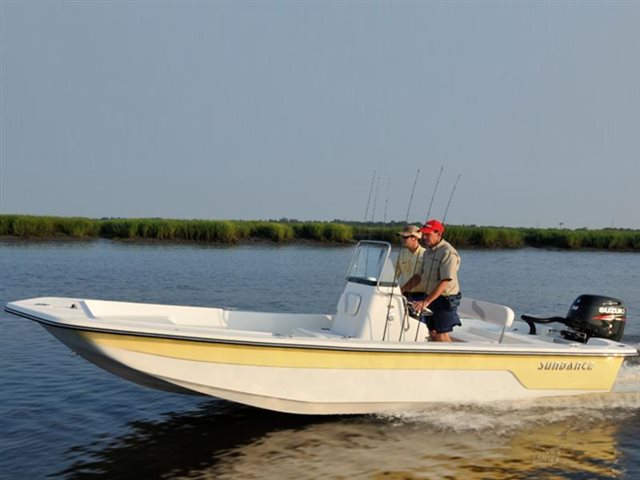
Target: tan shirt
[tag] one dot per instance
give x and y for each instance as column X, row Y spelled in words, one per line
column 441, row 263
column 410, row 264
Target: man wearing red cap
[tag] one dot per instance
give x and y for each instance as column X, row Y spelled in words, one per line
column 439, row 274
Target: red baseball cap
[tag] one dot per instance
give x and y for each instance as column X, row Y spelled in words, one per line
column 432, row 226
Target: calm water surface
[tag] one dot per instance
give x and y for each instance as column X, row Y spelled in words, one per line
column 62, row 417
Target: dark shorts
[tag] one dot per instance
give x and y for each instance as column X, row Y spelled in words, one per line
column 445, row 315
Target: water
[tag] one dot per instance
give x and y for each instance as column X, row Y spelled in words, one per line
column 65, row 418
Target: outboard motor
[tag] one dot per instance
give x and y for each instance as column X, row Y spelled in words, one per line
column 589, row 316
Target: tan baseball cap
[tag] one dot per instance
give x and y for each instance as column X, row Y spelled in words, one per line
column 410, row 231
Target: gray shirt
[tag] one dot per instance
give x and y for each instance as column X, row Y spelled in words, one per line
column 441, row 262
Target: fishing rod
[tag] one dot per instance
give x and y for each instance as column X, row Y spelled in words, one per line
column 375, row 199
column 413, row 189
column 386, row 201
column 415, row 267
column 435, row 189
column 453, row 190
column 451, row 197
column 366, row 212
column 395, row 276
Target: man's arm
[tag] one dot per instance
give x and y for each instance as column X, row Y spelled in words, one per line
column 439, row 290
column 412, row 282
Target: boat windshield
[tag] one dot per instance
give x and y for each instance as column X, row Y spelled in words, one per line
column 371, row 265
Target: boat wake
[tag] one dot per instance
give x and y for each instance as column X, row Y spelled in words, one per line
column 628, row 378
column 507, row 417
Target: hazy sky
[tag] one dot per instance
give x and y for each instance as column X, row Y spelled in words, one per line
column 257, row 110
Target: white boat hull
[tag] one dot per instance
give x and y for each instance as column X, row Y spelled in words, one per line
column 317, row 380
column 370, row 356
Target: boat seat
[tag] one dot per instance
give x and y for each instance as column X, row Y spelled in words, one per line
column 466, row 336
column 478, row 335
column 317, row 333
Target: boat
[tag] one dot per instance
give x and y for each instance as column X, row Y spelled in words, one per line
column 371, row 355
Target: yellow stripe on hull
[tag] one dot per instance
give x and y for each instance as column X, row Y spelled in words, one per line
column 551, row 372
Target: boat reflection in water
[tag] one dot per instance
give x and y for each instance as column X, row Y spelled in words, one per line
column 559, row 438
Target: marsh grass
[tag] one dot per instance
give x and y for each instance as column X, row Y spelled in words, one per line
column 485, row 237
column 234, row 231
column 206, row 231
column 48, row 227
column 324, row 232
column 607, row 239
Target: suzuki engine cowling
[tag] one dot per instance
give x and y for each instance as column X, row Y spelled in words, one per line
column 589, row 316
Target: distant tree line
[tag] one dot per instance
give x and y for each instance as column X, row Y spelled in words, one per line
column 288, row 230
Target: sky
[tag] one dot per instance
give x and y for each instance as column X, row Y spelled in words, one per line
column 269, row 110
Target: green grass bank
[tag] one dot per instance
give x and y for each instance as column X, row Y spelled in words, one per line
column 285, row 231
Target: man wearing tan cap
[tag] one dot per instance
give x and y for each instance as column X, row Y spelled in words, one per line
column 410, row 262
column 439, row 275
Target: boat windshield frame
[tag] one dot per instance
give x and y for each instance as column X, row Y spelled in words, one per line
column 371, row 265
